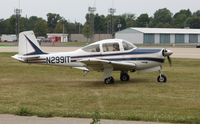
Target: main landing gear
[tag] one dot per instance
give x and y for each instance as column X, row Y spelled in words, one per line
column 109, row 80
column 123, row 77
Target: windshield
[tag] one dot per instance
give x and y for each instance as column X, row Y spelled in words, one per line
column 127, row 46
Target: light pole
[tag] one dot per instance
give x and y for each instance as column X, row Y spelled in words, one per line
column 112, row 12
column 91, row 12
column 17, row 13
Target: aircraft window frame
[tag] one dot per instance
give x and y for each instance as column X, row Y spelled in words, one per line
column 127, row 46
column 95, row 48
column 111, row 47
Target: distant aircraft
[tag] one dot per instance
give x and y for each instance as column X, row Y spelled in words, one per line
column 105, row 56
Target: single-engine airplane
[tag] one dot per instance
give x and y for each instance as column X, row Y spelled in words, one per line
column 105, row 56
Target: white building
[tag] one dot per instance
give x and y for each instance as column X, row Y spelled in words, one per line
column 159, row 35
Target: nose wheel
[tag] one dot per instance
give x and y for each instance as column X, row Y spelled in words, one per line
column 109, row 80
column 162, row 78
column 124, row 76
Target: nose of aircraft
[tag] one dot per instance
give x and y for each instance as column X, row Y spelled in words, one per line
column 167, row 52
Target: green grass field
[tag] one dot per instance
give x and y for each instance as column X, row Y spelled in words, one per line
column 58, row 91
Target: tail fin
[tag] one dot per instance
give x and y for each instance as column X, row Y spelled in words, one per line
column 28, row 44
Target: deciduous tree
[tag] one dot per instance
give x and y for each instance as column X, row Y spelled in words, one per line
column 52, row 20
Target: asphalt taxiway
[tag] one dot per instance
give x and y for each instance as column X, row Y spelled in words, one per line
column 177, row 52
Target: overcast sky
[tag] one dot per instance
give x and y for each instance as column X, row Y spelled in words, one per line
column 75, row 10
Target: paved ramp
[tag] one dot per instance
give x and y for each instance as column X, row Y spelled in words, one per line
column 178, row 52
column 11, row 119
column 186, row 52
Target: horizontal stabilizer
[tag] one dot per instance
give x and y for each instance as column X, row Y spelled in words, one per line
column 25, row 58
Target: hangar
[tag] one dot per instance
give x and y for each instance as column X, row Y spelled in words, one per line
column 160, row 35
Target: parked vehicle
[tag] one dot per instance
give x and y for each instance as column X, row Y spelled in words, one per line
column 8, row 38
column 198, row 45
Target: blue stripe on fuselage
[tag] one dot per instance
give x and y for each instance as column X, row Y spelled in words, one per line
column 135, row 51
column 134, row 59
column 145, row 51
column 138, row 59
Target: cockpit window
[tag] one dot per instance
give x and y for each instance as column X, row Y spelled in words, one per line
column 92, row 48
column 109, row 47
column 127, row 46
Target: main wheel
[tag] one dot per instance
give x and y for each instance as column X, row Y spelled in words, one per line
column 109, row 80
column 162, row 78
column 124, row 77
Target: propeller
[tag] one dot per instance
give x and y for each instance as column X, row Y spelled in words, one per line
column 169, row 60
column 167, row 53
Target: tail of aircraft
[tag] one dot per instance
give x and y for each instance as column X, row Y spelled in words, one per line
column 28, row 44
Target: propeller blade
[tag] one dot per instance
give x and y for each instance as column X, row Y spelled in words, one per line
column 170, row 61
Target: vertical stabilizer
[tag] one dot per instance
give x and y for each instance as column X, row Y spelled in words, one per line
column 28, row 44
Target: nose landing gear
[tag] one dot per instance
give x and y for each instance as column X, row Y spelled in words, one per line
column 162, row 78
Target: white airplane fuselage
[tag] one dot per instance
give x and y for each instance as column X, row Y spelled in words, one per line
column 71, row 59
column 106, row 56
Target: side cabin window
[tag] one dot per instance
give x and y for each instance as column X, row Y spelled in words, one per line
column 92, row 48
column 110, row 47
column 127, row 46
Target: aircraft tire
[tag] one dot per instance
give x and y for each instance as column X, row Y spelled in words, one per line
column 109, row 80
column 124, row 77
column 162, row 78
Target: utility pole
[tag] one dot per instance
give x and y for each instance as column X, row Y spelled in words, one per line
column 63, row 21
column 112, row 12
column 91, row 11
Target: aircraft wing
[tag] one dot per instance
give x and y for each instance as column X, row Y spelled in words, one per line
column 100, row 65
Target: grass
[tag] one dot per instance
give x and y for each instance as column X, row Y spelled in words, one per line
column 23, row 112
column 96, row 118
column 7, row 44
column 2, row 45
column 48, row 91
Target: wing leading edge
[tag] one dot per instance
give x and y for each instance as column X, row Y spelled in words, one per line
column 100, row 65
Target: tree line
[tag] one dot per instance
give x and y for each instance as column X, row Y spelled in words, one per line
column 53, row 24
column 162, row 18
